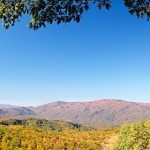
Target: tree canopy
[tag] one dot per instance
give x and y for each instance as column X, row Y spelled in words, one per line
column 59, row 11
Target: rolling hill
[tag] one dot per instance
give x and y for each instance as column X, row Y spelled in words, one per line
column 101, row 113
column 45, row 124
column 105, row 112
column 13, row 112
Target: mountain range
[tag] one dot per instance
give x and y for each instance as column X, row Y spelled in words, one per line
column 99, row 114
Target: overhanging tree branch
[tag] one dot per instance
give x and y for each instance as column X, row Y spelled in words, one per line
column 140, row 8
column 59, row 11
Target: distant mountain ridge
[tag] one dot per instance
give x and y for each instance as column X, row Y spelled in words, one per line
column 100, row 113
column 7, row 106
column 13, row 112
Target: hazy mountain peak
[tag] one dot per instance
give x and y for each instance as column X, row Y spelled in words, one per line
column 7, row 106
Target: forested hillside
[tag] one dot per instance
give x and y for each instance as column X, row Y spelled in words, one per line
column 99, row 114
column 46, row 124
column 6, row 111
column 135, row 136
column 104, row 113
column 15, row 137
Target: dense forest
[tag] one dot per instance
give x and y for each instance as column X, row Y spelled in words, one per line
column 46, row 124
column 29, row 134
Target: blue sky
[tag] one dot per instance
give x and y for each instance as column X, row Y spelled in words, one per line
column 106, row 55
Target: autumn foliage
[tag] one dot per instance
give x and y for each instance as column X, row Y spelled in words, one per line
column 134, row 136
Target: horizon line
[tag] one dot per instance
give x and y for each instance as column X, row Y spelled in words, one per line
column 12, row 103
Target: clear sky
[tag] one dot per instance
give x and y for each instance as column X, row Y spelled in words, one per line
column 106, row 55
